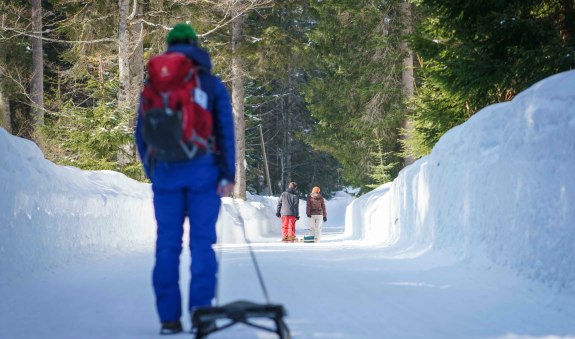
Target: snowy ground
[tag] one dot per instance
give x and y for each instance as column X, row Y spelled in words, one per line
column 475, row 240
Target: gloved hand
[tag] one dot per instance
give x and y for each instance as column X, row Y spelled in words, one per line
column 278, row 214
column 309, row 215
column 324, row 219
column 297, row 218
column 225, row 188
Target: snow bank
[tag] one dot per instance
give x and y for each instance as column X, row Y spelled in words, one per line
column 499, row 186
column 54, row 215
column 51, row 215
column 257, row 215
column 336, row 209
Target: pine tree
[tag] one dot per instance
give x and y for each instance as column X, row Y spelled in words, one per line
column 355, row 94
column 473, row 54
column 85, row 126
column 277, row 55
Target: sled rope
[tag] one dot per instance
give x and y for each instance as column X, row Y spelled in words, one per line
column 252, row 254
column 240, row 220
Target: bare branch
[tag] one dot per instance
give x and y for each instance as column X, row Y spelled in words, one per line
column 252, row 5
column 17, row 33
column 144, row 21
column 134, row 11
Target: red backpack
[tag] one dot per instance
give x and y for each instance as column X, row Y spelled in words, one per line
column 176, row 124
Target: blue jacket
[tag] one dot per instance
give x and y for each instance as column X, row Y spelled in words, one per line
column 220, row 106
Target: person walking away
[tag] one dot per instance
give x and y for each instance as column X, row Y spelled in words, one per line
column 187, row 179
column 288, row 211
column 315, row 209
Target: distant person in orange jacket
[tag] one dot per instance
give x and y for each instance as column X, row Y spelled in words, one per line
column 288, row 211
column 316, row 210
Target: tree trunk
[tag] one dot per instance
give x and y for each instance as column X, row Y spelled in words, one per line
column 286, row 110
column 136, row 63
column 285, row 144
column 407, row 74
column 134, row 76
column 5, row 107
column 566, row 18
column 289, row 139
column 123, row 55
column 37, row 65
column 126, row 55
column 266, row 168
column 4, row 102
column 238, row 106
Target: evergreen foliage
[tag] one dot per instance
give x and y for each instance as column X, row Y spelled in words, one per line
column 354, row 91
column 278, row 60
column 323, row 78
column 84, row 126
column 476, row 53
column 284, row 51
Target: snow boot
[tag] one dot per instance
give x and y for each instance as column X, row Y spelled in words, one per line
column 171, row 327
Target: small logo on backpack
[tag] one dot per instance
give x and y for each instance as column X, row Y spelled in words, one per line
column 165, row 72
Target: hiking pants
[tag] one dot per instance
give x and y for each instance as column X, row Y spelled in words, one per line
column 288, row 226
column 181, row 189
column 316, row 222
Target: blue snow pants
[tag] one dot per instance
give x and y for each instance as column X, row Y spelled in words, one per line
column 180, row 189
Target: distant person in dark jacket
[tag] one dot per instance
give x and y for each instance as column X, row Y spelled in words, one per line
column 288, row 211
column 316, row 210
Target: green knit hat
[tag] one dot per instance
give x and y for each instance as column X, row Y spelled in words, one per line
column 181, row 33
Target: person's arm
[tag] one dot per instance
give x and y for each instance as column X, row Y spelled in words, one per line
column 308, row 206
column 296, row 206
column 224, row 132
column 323, row 207
column 278, row 212
column 225, row 139
column 141, row 144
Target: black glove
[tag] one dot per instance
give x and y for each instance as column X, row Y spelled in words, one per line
column 309, row 215
column 297, row 218
column 278, row 214
column 324, row 219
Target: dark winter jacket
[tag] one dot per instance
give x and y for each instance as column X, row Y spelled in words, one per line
column 220, row 107
column 288, row 203
column 315, row 205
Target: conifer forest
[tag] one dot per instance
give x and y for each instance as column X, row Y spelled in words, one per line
column 329, row 93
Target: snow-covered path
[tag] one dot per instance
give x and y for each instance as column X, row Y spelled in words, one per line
column 333, row 289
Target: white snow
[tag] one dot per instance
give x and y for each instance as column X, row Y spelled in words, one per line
column 476, row 240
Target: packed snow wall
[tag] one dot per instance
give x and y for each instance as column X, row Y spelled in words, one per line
column 500, row 186
column 53, row 215
column 256, row 215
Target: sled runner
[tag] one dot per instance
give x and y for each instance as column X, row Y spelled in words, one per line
column 207, row 320
column 239, row 312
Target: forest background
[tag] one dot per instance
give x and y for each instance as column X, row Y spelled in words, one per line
column 327, row 93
